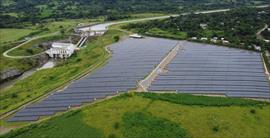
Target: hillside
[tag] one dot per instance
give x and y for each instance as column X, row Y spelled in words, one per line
column 34, row 11
column 238, row 26
column 157, row 115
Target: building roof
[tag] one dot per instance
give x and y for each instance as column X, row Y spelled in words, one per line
column 62, row 45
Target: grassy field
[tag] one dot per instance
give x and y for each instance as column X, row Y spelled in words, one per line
column 45, row 81
column 157, row 115
column 9, row 38
column 166, row 34
column 11, row 35
column 32, row 47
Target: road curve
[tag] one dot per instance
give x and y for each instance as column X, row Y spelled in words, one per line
column 259, row 36
column 5, row 54
column 104, row 26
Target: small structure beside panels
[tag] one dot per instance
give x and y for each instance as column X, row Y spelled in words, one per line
column 208, row 69
column 131, row 61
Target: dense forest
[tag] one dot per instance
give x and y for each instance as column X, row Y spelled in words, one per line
column 238, row 26
column 34, row 11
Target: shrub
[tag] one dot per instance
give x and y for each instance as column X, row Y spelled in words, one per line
column 116, row 38
column 14, row 95
column 215, row 128
column 116, row 125
column 187, row 99
column 30, row 51
column 253, row 111
column 138, row 124
column 112, row 136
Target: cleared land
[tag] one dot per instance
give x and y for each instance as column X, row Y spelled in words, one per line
column 158, row 115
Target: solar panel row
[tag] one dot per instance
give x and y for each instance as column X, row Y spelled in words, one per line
column 131, row 61
column 201, row 68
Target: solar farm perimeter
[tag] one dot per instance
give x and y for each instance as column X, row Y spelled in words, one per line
column 197, row 68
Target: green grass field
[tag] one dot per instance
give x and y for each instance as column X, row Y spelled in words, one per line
column 157, row 115
column 45, row 81
column 12, row 35
column 166, row 34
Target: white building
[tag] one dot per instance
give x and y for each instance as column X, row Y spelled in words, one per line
column 204, row 39
column 61, row 50
column 194, row 38
column 258, row 48
column 203, row 25
column 225, row 42
column 135, row 36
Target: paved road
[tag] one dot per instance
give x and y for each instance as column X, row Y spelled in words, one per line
column 5, row 54
column 104, row 26
column 259, row 36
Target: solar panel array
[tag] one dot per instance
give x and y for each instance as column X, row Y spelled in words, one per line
column 131, row 61
column 208, row 69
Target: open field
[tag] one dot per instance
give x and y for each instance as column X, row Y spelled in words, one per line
column 11, row 35
column 157, row 115
column 166, row 34
column 33, row 87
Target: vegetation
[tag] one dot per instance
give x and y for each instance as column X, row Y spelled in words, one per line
column 238, row 26
column 35, row 11
column 9, row 35
column 33, row 87
column 166, row 34
column 266, row 34
column 34, row 47
column 199, row 100
column 138, row 125
column 54, row 128
column 44, row 32
column 144, row 115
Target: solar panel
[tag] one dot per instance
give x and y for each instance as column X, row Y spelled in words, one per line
column 131, row 61
column 201, row 68
column 24, row 118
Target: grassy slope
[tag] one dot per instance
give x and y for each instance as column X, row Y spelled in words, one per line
column 33, row 86
column 33, row 45
column 144, row 115
column 10, row 35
